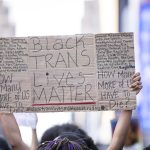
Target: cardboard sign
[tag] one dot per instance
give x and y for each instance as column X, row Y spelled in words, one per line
column 83, row 72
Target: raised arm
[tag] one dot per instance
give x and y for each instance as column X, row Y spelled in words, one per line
column 123, row 123
column 12, row 132
column 34, row 144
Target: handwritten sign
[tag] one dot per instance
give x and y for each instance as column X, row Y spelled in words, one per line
column 115, row 63
column 82, row 72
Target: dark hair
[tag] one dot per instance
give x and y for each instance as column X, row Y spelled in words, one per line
column 68, row 141
column 4, row 144
column 69, row 131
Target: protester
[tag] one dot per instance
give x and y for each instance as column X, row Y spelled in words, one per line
column 70, row 131
column 70, row 140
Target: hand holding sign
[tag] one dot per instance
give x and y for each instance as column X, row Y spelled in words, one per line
column 137, row 84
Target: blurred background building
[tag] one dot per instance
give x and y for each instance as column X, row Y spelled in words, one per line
column 90, row 21
column 7, row 28
column 60, row 17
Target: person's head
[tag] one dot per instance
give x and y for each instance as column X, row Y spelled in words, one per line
column 67, row 141
column 68, row 134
